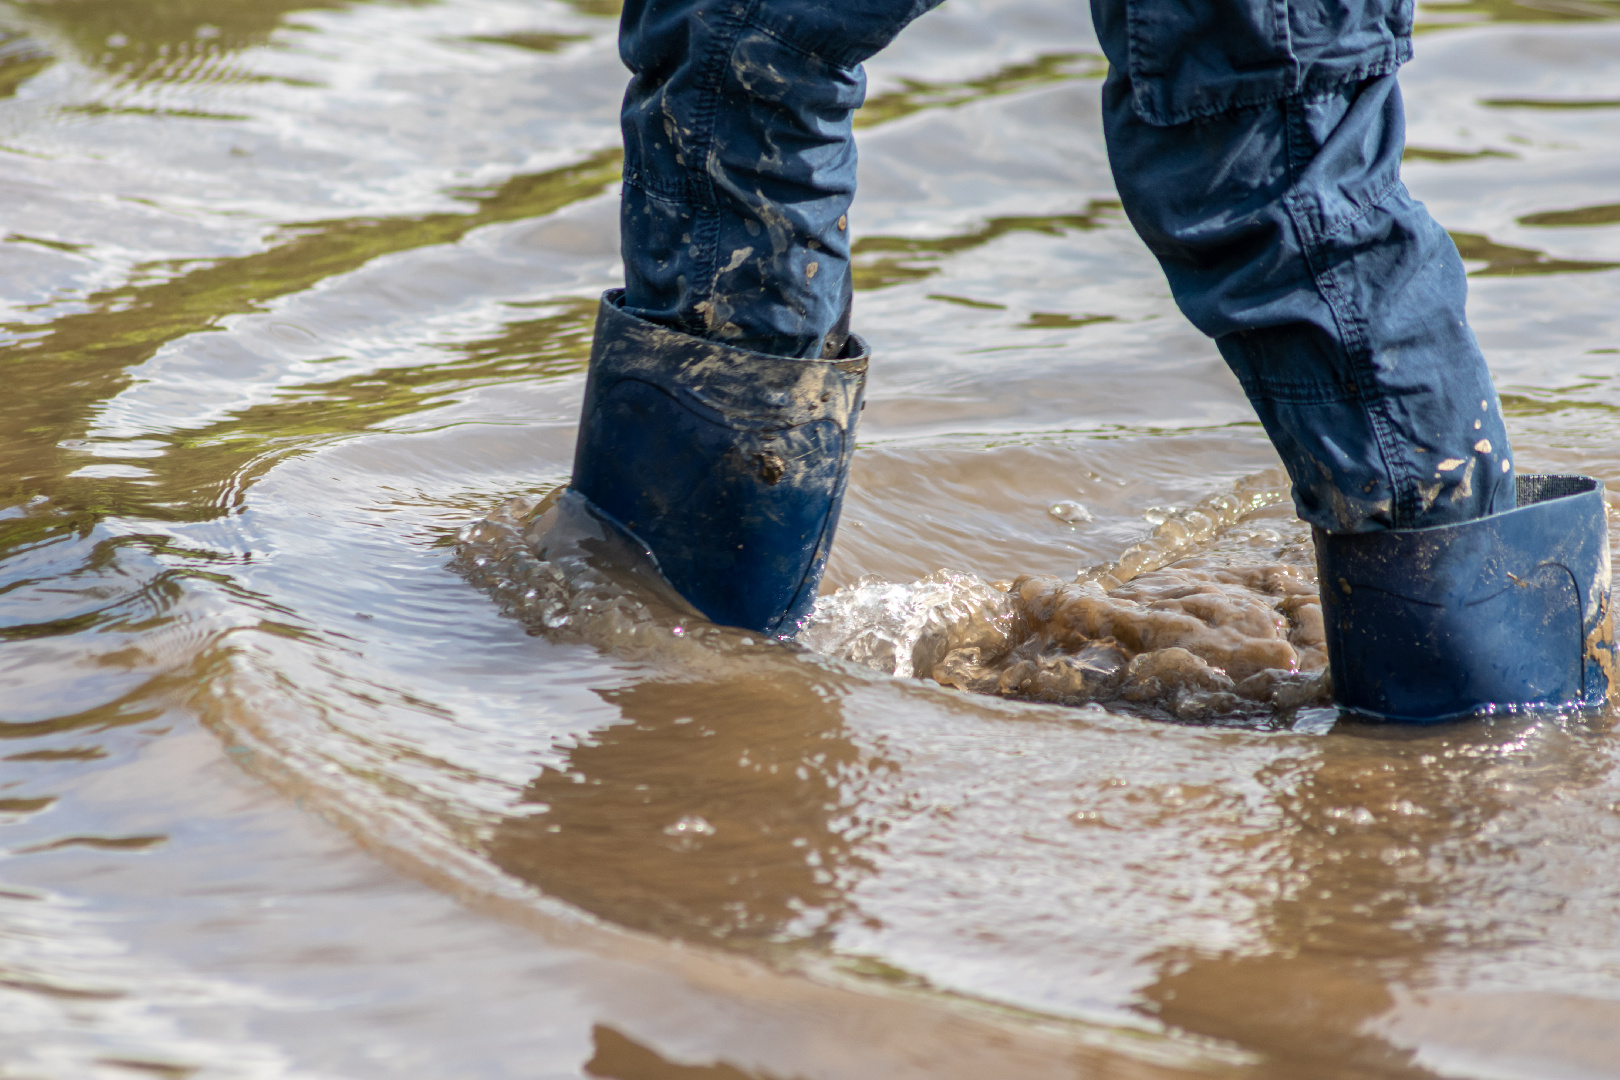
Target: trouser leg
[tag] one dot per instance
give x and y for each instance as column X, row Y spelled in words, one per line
column 1286, row 235
column 1256, row 148
column 724, row 386
column 740, row 164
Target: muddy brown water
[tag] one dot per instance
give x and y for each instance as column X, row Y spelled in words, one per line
column 297, row 297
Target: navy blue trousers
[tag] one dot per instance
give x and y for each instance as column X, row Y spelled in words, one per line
column 1256, row 147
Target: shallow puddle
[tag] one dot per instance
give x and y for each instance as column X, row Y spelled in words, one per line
column 335, row 746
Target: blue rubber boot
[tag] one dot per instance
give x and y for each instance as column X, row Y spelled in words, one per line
column 727, row 465
column 1506, row 611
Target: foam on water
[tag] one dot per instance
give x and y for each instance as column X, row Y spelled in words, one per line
column 1160, row 630
column 564, row 573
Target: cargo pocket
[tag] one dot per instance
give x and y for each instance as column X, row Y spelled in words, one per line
column 1204, row 57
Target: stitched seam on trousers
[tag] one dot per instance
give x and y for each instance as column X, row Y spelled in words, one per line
column 1295, row 141
column 1406, row 507
column 1353, row 334
column 704, row 235
column 772, row 33
column 728, row 28
column 679, row 192
column 1374, row 203
column 1279, row 11
column 1373, row 403
column 1134, row 48
column 852, row 56
column 1386, row 66
column 693, row 185
column 1297, row 393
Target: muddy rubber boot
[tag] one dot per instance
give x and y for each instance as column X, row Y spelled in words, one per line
column 1508, row 611
column 729, row 466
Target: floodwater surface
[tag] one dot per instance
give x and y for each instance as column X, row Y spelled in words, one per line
column 336, row 745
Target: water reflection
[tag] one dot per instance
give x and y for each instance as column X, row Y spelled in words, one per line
column 881, row 261
column 530, row 40
column 45, row 412
column 1013, row 867
column 1431, row 153
column 915, row 95
column 1607, row 214
column 1393, row 850
column 168, row 40
column 618, row 1057
column 718, row 810
column 1551, row 103
column 21, row 58
column 603, row 9
column 1528, row 401
column 1503, row 260
column 1449, row 14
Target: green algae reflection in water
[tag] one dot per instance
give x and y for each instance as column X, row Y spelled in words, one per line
column 881, row 261
column 1503, row 260
column 915, row 95
column 21, row 58
column 1437, row 15
column 169, row 40
column 1432, row 153
column 58, row 377
column 529, row 40
column 1608, row 214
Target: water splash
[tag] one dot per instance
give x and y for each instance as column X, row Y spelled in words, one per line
column 905, row 630
column 1182, row 532
column 1195, row 623
column 1234, row 634
column 567, row 574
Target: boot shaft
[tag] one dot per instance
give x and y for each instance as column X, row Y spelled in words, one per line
column 1507, row 610
column 728, row 465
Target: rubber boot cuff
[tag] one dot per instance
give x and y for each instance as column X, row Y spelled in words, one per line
column 729, row 466
column 1505, row 612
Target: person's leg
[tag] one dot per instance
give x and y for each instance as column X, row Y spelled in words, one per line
column 1257, row 149
column 1275, row 206
column 740, row 164
column 719, row 413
